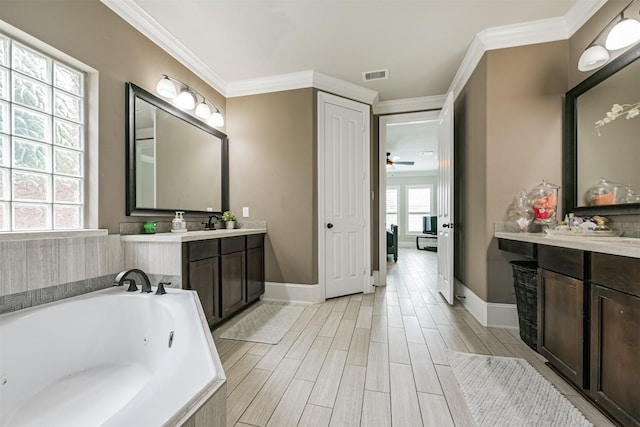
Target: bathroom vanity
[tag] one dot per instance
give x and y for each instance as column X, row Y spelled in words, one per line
column 225, row 267
column 589, row 314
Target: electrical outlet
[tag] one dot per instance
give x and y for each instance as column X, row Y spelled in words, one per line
column 245, row 212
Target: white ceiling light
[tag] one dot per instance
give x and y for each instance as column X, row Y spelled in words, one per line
column 166, row 88
column 203, row 111
column 625, row 33
column 186, row 100
column 216, row 119
column 594, row 57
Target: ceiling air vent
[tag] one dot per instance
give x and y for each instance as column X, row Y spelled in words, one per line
column 368, row 76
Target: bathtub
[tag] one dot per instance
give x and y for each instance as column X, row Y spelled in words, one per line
column 109, row 358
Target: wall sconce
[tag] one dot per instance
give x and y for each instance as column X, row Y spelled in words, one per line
column 623, row 34
column 187, row 99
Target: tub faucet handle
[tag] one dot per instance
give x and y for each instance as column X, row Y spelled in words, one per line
column 161, row 290
column 132, row 285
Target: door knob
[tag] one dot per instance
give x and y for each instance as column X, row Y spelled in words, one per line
column 450, row 225
column 329, row 225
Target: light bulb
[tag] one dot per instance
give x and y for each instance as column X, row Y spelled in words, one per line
column 166, row 88
column 625, row 33
column 216, row 119
column 203, row 111
column 186, row 100
column 594, row 57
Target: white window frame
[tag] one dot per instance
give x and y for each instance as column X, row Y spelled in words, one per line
column 91, row 136
column 406, row 207
column 397, row 213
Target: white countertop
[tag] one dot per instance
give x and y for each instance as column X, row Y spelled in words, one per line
column 625, row 246
column 190, row 236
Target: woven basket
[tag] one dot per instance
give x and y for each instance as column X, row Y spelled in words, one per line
column 525, row 284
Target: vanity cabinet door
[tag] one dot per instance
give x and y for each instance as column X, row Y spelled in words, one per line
column 561, row 311
column 204, row 278
column 255, row 273
column 615, row 358
column 233, row 277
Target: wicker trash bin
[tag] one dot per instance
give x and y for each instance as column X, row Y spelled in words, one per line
column 525, row 284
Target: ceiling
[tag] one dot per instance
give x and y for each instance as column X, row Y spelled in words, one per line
column 415, row 141
column 421, row 42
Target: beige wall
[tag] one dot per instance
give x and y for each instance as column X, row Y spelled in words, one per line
column 93, row 34
column 470, row 135
column 272, row 163
column 522, row 144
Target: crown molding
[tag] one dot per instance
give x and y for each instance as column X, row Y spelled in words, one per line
column 533, row 32
column 423, row 103
column 541, row 31
column 576, row 17
column 143, row 22
column 269, row 84
column 303, row 79
column 343, row 88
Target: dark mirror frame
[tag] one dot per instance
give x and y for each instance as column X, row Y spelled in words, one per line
column 570, row 143
column 134, row 92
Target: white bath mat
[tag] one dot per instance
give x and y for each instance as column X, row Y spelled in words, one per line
column 267, row 324
column 506, row 391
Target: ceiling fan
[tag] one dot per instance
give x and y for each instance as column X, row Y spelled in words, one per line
column 394, row 161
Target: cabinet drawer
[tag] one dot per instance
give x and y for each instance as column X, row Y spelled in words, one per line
column 255, row 241
column 233, row 244
column 569, row 262
column 617, row 272
column 202, row 249
column 518, row 247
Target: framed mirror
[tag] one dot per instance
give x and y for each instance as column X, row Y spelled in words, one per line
column 174, row 161
column 602, row 140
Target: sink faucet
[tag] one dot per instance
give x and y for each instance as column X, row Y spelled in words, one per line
column 209, row 225
column 146, row 284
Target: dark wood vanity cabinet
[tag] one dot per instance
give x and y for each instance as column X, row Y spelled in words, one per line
column 255, row 266
column 615, row 336
column 204, row 275
column 561, row 311
column 233, row 274
column 227, row 273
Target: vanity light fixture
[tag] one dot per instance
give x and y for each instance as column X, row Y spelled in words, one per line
column 623, row 34
column 187, row 99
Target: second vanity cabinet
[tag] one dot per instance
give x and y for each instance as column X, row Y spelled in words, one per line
column 589, row 319
column 561, row 311
column 615, row 336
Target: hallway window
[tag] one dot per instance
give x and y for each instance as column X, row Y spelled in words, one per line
column 392, row 206
column 42, row 139
column 418, row 205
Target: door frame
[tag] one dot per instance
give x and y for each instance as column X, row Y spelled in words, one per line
column 382, row 173
column 365, row 109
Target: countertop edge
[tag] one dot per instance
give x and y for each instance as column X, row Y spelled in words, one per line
column 591, row 244
column 191, row 236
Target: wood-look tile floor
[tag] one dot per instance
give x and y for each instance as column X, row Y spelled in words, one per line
column 370, row 360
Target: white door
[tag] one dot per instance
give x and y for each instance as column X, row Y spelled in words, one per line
column 445, row 200
column 343, row 195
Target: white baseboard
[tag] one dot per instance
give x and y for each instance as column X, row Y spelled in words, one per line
column 292, row 292
column 488, row 314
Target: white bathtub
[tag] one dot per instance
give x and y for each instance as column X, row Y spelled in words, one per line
column 104, row 359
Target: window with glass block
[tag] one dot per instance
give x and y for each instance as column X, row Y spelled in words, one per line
column 42, row 132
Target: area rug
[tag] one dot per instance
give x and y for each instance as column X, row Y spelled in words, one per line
column 266, row 324
column 506, row 391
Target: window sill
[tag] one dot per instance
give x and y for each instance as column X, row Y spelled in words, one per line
column 46, row 235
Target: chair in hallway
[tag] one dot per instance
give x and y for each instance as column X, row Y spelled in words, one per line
column 392, row 242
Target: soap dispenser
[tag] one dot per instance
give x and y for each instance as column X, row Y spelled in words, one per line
column 178, row 224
